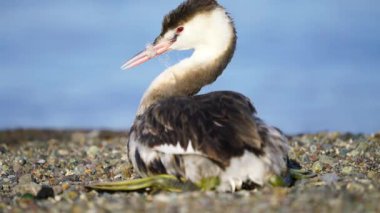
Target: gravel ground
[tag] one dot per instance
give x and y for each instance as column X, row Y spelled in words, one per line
column 45, row 171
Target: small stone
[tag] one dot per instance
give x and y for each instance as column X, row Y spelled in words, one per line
column 313, row 157
column 363, row 146
column 41, row 161
column 373, row 174
column 52, row 160
column 69, row 173
column 355, row 188
column 63, row 152
column 163, row 198
column 305, row 158
column 313, row 148
column 317, row 167
column 327, row 147
column 57, row 190
column 330, row 178
column 347, row 170
column 72, row 178
column 243, row 193
column 116, row 177
column 92, row 151
column 79, row 170
column 3, row 150
column 21, row 161
column 343, row 152
column 26, row 186
column 11, row 177
column 25, row 179
column 5, row 168
column 92, row 194
column 72, row 195
column 326, row 159
column 76, row 209
column 65, row 186
column 45, row 192
column 354, row 153
column 6, row 188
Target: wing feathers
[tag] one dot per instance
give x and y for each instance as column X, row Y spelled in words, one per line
column 216, row 125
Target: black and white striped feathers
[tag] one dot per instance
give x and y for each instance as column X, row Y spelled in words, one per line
column 195, row 137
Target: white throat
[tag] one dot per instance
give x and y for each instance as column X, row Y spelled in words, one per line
column 211, row 35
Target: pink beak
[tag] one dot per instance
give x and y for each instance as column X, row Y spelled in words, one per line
column 150, row 52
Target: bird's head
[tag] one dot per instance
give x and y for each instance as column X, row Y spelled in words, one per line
column 195, row 24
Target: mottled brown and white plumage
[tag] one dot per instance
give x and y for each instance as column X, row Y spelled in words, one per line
column 198, row 136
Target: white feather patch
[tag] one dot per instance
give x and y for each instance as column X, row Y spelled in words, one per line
column 177, row 149
column 246, row 167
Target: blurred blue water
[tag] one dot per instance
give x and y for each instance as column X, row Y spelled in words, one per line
column 307, row 65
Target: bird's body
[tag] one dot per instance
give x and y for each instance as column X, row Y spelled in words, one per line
column 199, row 136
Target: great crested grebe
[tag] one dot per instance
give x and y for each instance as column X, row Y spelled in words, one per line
column 198, row 136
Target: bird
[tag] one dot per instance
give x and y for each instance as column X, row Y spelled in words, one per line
column 195, row 136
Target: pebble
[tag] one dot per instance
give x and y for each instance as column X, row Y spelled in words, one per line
column 6, row 187
column 72, row 195
column 317, row 167
column 313, row 148
column 22, row 161
column 117, row 177
column 347, row 170
column 362, row 147
column 57, row 190
column 27, row 178
column 5, row 168
column 164, row 198
column 330, row 178
column 65, row 186
column 343, row 152
column 326, row 159
column 71, row 178
column 63, row 152
column 27, row 188
column 45, row 192
column 11, row 177
column 373, row 174
column 355, row 188
column 41, row 161
column 92, row 151
column 3, row 150
column 354, row 153
column 305, row 158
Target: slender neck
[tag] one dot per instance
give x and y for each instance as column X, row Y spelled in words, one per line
column 188, row 76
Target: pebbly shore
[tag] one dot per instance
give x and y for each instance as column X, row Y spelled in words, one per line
column 46, row 171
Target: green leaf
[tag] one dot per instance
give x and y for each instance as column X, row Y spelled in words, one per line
column 207, row 184
column 277, row 181
column 157, row 182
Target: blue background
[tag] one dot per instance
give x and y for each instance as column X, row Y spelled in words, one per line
column 307, row 65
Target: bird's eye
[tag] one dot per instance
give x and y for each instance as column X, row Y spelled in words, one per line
column 180, row 29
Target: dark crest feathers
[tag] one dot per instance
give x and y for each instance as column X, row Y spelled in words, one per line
column 186, row 11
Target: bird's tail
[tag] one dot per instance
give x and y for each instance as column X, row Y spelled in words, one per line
column 275, row 146
column 286, row 171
